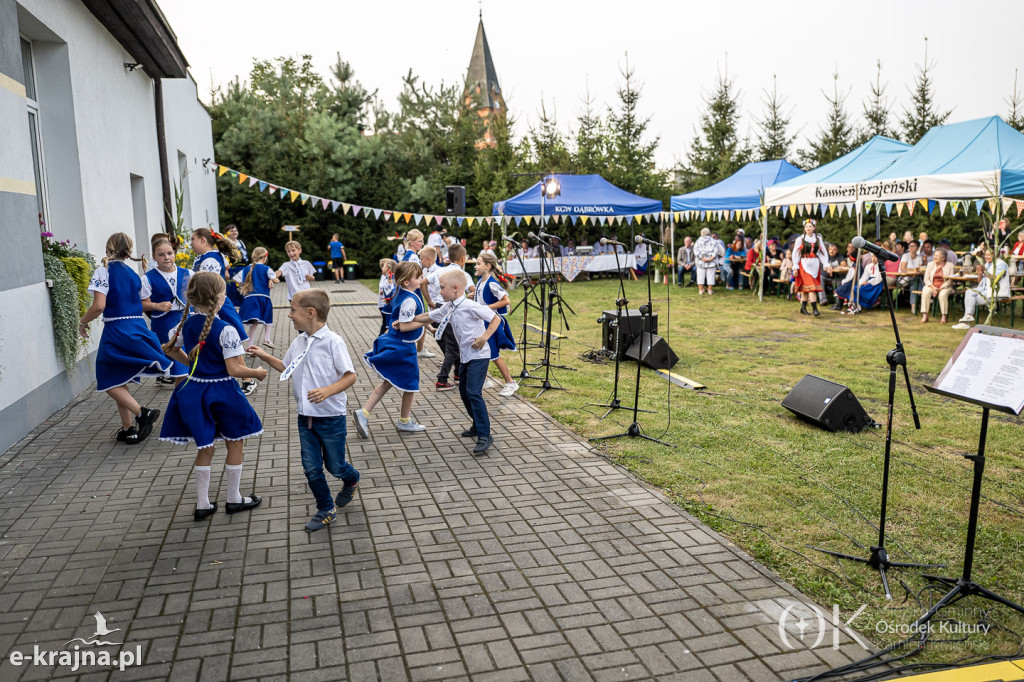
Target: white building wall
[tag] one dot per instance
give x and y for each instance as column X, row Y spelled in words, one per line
column 188, row 131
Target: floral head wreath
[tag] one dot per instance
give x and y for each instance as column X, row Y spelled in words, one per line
column 812, row 222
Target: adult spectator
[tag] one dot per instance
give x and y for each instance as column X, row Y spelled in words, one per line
column 232, row 234
column 1018, row 252
column 337, row 254
column 927, row 251
column 707, row 251
column 998, row 271
column 937, row 282
column 911, row 262
column 892, row 266
column 951, row 256
column 868, row 289
column 687, row 265
column 832, row 282
column 731, row 265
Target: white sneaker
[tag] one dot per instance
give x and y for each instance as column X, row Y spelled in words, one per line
column 426, row 354
column 509, row 389
column 966, row 318
column 412, row 427
column 248, row 386
column 961, row 325
column 362, row 423
column 488, row 384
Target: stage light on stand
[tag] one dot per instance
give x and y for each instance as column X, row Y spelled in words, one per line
column 552, row 188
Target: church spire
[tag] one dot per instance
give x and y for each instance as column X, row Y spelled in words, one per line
column 482, row 78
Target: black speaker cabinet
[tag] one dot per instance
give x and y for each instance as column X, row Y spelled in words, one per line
column 628, row 333
column 652, row 351
column 827, row 404
column 455, row 200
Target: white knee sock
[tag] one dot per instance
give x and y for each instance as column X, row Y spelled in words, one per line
column 233, row 476
column 266, row 332
column 203, row 488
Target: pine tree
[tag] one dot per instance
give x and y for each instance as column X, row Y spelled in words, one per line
column 836, row 138
column 775, row 141
column 717, row 150
column 922, row 116
column 630, row 159
column 876, row 112
column 591, row 150
column 1016, row 102
column 546, row 147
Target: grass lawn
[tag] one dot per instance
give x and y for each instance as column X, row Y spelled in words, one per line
column 774, row 485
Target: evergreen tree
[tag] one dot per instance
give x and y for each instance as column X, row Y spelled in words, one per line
column 775, row 141
column 590, row 154
column 545, row 147
column 836, row 138
column 876, row 112
column 630, row 163
column 922, row 114
column 1016, row 102
column 717, row 150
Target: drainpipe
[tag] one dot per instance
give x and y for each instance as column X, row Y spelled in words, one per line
column 161, row 140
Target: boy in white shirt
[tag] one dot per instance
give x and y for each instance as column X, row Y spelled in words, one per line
column 297, row 273
column 431, row 289
column 467, row 320
column 321, row 371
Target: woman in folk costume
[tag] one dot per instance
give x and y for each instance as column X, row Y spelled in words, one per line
column 809, row 258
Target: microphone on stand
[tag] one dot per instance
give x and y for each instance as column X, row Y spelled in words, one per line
column 547, row 236
column 511, row 241
column 640, row 239
column 883, row 254
column 536, row 238
column 605, row 242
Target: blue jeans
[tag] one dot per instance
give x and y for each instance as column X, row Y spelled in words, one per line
column 471, row 387
column 323, row 445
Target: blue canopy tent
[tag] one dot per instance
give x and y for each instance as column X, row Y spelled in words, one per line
column 743, row 190
column 589, row 195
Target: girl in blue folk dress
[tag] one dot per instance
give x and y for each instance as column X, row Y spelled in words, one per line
column 212, row 251
column 491, row 293
column 255, row 283
column 163, row 296
column 128, row 349
column 209, row 406
column 393, row 356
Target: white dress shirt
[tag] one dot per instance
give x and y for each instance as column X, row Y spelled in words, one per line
column 469, row 320
column 326, row 361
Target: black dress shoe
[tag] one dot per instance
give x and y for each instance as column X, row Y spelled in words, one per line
column 468, row 433
column 200, row 514
column 235, row 507
column 482, row 445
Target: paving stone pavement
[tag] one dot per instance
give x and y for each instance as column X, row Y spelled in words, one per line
column 542, row 561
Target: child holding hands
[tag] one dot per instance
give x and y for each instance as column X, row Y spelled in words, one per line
column 321, row 371
column 467, row 319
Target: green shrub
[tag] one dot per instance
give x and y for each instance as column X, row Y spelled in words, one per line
column 64, row 304
column 80, row 272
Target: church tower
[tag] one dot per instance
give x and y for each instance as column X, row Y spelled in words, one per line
column 482, row 85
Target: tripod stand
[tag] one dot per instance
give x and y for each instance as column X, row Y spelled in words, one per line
column 634, row 430
column 529, row 289
column 620, row 304
column 552, row 301
column 879, row 558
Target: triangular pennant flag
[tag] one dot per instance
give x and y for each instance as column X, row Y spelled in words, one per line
column 899, row 208
column 460, row 219
column 377, row 212
column 334, row 206
column 263, row 185
column 242, row 177
column 931, row 205
column 325, row 202
column 978, row 204
column 284, row 192
column 253, row 181
column 528, row 219
column 888, row 208
column 807, row 209
column 954, row 206
column 345, row 208
column 584, row 219
column 213, row 166
column 272, row 189
column 1007, row 203
column 490, row 220
column 831, row 210
column 450, row 220
column 438, row 219
column 924, row 203
column 1020, row 206
column 303, row 198
column 470, row 220
column 942, row 206
column 234, row 173
column 992, row 206
column 221, row 171
column 910, row 207
column 406, row 217
column 785, row 211
column 356, row 210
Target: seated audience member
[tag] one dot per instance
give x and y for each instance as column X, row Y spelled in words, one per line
column 892, row 266
column 981, row 295
column 909, row 262
column 731, row 269
column 868, row 289
column 687, row 266
column 951, row 256
column 937, row 282
column 927, row 251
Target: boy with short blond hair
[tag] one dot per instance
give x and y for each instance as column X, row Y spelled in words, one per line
column 321, row 371
column 297, row 273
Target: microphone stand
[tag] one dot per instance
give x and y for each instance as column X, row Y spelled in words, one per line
column 620, row 304
column 528, row 289
column 550, row 298
column 879, row 558
column 634, row 430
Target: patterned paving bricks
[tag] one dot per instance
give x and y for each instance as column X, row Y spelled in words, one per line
column 543, row 561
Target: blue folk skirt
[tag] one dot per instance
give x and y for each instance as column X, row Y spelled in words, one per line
column 204, row 411
column 257, row 308
column 395, row 361
column 501, row 339
column 129, row 350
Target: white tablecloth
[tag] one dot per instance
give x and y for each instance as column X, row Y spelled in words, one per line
column 602, row 263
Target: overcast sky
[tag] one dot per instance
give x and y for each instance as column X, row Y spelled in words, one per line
column 552, row 50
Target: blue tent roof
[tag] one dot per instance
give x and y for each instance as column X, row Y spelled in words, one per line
column 740, row 191
column 835, row 182
column 959, row 160
column 581, row 195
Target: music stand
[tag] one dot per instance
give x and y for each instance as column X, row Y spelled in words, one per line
column 985, row 370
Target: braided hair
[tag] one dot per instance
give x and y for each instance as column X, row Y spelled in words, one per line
column 119, row 247
column 491, row 261
column 219, row 242
column 204, row 289
column 257, row 253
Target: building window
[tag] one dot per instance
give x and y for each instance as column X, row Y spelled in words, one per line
column 35, row 131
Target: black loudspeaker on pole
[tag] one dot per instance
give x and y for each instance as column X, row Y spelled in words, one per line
column 455, row 200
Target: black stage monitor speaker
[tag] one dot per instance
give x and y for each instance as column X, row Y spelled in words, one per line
column 455, row 200
column 830, row 405
column 652, row 351
column 628, row 333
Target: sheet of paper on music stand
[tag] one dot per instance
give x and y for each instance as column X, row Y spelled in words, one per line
column 987, row 368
